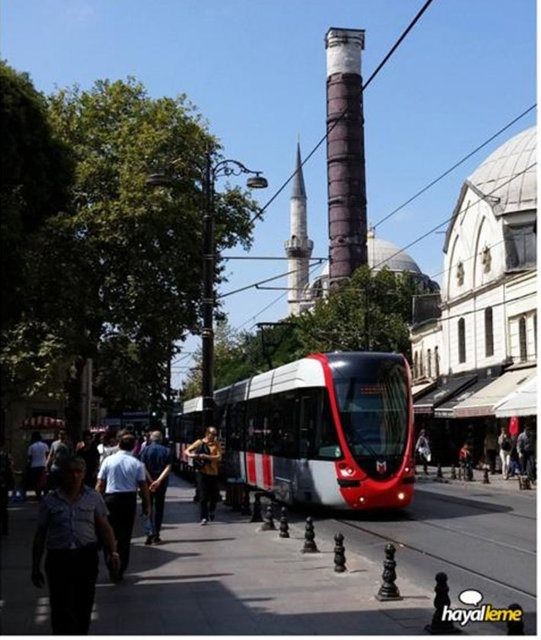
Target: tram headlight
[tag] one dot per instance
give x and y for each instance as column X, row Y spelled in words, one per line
column 401, row 495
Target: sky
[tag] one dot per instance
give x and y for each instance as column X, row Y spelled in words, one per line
column 256, row 70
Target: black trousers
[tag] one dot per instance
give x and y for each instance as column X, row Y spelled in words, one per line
column 122, row 508
column 157, row 501
column 71, row 575
column 208, row 493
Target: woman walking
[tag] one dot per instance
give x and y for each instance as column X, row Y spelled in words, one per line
column 206, row 454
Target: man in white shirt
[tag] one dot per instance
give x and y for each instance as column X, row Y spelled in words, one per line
column 119, row 477
column 37, row 461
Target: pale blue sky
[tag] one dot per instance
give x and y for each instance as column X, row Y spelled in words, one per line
column 256, row 71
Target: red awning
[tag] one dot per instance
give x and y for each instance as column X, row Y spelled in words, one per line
column 42, row 422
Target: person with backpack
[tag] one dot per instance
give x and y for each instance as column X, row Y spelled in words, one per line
column 59, row 452
column 206, row 454
column 506, row 446
column 526, row 453
column 422, row 450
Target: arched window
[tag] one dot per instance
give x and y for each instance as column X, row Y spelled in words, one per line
column 535, row 332
column 523, row 345
column 416, row 365
column 436, row 362
column 489, row 333
column 461, row 340
column 429, row 363
column 421, row 365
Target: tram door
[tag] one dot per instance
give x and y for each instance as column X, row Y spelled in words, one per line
column 306, row 417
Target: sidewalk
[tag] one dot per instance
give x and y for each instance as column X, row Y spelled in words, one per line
column 496, row 484
column 226, row 578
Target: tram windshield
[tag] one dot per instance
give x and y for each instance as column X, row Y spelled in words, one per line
column 372, row 396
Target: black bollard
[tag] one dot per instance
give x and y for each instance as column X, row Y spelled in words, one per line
column 486, row 479
column 284, row 526
column 309, row 535
column 388, row 589
column 339, row 554
column 268, row 520
column 245, row 504
column 516, row 628
column 438, row 625
column 453, row 472
column 439, row 472
column 256, row 513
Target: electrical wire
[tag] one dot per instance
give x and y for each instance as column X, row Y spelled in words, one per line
column 457, row 164
column 339, row 118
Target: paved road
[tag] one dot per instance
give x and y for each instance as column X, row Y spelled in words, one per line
column 484, row 538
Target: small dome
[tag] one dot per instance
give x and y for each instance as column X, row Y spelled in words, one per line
column 494, row 177
column 382, row 253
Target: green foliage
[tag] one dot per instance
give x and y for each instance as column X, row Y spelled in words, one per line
column 116, row 277
column 369, row 312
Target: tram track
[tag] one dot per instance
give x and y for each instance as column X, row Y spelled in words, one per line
column 427, row 554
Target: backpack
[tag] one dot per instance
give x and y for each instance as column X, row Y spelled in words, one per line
column 197, row 462
column 506, row 444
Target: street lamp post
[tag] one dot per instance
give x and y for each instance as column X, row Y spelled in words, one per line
column 209, row 174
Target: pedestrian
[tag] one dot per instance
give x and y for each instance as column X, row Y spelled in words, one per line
column 506, row 445
column 60, row 451
column 88, row 451
column 107, row 446
column 422, row 450
column 37, row 454
column 119, row 478
column 158, row 462
column 145, row 442
column 490, row 446
column 465, row 458
column 206, row 454
column 6, row 485
column 71, row 520
column 526, row 453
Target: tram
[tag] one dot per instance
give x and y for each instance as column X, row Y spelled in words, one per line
column 332, row 429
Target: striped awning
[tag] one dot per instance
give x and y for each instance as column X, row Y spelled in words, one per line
column 42, row 422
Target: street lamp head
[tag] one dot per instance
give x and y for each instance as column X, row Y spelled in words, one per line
column 158, row 180
column 257, row 181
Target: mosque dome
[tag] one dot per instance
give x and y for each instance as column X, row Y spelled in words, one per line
column 495, row 176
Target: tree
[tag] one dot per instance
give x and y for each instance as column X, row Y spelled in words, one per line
column 36, row 172
column 370, row 312
column 128, row 258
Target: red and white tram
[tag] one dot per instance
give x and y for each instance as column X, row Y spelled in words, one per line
column 334, row 429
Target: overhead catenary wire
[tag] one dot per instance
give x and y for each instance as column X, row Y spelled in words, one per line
column 339, row 118
column 457, row 164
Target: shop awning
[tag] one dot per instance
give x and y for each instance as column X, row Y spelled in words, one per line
column 443, row 392
column 42, row 422
column 449, row 408
column 419, row 389
column 482, row 402
column 521, row 402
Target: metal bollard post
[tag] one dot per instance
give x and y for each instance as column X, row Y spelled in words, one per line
column 245, row 504
column 268, row 520
column 339, row 554
column 516, row 628
column 438, row 625
column 284, row 526
column 486, row 479
column 453, row 472
column 388, row 589
column 439, row 473
column 309, row 535
column 256, row 513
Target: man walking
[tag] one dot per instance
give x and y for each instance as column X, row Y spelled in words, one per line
column 69, row 523
column 37, row 461
column 119, row 477
column 59, row 452
column 158, row 461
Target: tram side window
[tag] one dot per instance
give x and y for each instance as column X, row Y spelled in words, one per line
column 255, row 426
column 282, row 425
column 326, row 445
column 235, row 426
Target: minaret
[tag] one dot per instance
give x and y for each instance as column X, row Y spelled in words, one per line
column 345, row 153
column 299, row 246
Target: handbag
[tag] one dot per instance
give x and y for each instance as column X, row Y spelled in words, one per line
column 198, row 463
